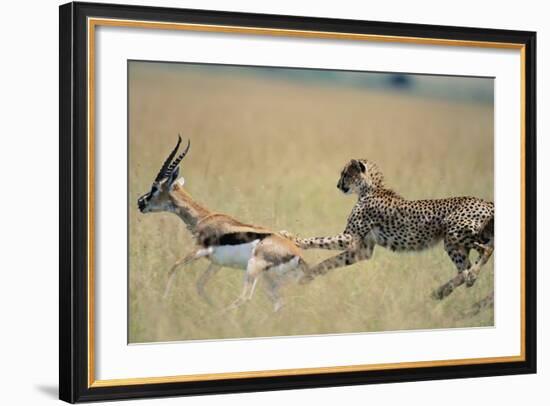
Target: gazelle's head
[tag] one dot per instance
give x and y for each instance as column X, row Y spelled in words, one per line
column 360, row 175
column 158, row 198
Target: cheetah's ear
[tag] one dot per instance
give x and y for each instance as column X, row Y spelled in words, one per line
column 359, row 165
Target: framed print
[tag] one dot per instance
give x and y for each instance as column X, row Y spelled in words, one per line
column 258, row 202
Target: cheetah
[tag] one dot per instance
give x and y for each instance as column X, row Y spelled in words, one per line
column 382, row 217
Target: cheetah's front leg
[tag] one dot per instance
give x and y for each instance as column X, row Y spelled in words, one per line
column 342, row 241
column 338, row 261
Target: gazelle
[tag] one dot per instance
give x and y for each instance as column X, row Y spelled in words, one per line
column 223, row 240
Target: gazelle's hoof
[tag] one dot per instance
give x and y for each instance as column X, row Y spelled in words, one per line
column 234, row 305
column 205, row 298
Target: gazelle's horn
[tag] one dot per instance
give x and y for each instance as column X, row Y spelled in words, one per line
column 166, row 165
column 176, row 162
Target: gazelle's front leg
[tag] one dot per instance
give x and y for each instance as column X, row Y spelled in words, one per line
column 272, row 290
column 200, row 253
column 203, row 280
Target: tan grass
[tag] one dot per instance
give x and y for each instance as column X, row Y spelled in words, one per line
column 269, row 152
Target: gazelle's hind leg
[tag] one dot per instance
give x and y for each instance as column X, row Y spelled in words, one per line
column 273, row 254
column 273, row 286
column 253, row 270
column 204, row 279
column 200, row 253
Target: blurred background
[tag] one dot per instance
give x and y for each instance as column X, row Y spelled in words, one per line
column 268, row 145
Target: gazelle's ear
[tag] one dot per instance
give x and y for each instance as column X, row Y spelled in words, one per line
column 174, row 175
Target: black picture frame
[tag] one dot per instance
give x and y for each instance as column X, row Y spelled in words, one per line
column 73, row 284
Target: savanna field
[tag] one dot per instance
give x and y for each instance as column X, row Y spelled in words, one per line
column 268, row 151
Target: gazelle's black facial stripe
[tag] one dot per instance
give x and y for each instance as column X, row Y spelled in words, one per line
column 141, row 203
column 144, row 199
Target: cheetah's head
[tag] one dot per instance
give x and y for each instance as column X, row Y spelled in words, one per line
column 360, row 175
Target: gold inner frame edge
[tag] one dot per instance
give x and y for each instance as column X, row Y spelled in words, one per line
column 94, row 22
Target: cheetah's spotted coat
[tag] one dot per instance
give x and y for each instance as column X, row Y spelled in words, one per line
column 382, row 217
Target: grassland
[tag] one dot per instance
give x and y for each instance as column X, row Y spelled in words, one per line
column 269, row 152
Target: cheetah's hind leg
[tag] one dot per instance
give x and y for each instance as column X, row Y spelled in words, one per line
column 485, row 251
column 460, row 257
column 468, row 275
column 458, row 246
column 486, row 302
column 484, row 244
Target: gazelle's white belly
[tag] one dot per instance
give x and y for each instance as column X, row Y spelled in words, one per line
column 233, row 256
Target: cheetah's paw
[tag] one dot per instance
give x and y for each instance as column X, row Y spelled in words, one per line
column 288, row 235
column 470, row 279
